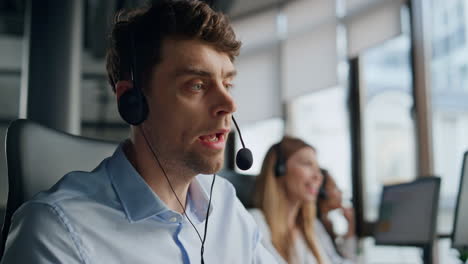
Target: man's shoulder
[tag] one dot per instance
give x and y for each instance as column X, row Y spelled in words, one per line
column 36, row 225
column 36, row 213
column 75, row 185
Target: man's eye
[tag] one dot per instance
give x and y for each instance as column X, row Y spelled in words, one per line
column 197, row 87
column 228, row 86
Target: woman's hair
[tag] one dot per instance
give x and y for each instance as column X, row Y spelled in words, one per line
column 320, row 203
column 271, row 198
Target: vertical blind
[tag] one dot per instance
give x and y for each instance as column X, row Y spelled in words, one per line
column 275, row 68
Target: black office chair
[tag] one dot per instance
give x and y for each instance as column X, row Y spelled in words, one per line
column 244, row 185
column 37, row 157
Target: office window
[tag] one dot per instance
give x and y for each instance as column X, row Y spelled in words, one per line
column 449, row 96
column 389, row 152
column 388, row 134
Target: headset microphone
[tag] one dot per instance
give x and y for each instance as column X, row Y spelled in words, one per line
column 244, row 157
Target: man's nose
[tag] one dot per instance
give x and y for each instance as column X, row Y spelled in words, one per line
column 224, row 102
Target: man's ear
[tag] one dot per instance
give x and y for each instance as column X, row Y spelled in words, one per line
column 121, row 87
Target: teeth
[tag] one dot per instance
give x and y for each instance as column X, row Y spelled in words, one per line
column 213, row 138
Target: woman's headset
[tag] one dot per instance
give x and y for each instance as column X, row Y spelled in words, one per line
column 322, row 195
column 280, row 164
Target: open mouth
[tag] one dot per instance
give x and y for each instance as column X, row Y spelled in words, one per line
column 212, row 138
column 215, row 140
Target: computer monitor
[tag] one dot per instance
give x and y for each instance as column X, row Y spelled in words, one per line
column 408, row 213
column 460, row 225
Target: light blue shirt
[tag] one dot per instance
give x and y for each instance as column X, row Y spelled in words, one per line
column 110, row 215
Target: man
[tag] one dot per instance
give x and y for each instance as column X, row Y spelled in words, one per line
column 146, row 204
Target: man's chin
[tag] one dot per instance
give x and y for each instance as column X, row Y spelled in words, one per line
column 207, row 165
column 212, row 168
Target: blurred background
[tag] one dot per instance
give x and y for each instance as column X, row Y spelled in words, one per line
column 379, row 87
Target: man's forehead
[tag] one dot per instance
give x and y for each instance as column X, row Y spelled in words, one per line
column 196, row 56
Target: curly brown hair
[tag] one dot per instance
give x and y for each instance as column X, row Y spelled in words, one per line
column 149, row 26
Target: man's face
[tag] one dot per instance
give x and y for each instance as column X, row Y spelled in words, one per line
column 190, row 106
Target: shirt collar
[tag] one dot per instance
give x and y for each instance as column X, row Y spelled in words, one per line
column 138, row 199
column 198, row 199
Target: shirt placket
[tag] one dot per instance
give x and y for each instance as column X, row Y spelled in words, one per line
column 173, row 218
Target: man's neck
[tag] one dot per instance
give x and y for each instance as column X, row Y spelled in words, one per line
column 141, row 157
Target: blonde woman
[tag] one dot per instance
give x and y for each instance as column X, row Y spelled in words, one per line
column 285, row 195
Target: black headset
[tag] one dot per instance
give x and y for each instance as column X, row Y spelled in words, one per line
column 280, row 164
column 133, row 108
column 322, row 191
column 132, row 104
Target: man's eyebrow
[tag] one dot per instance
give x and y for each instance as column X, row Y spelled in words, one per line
column 201, row 73
column 192, row 71
column 230, row 74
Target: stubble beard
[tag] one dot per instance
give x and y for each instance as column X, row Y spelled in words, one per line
column 188, row 163
column 201, row 164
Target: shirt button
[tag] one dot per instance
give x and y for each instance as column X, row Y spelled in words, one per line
column 173, row 219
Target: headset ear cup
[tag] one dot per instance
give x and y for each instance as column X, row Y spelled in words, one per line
column 322, row 193
column 280, row 167
column 277, row 169
column 133, row 107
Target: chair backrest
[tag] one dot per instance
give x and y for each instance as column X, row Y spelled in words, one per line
column 37, row 157
column 244, row 185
